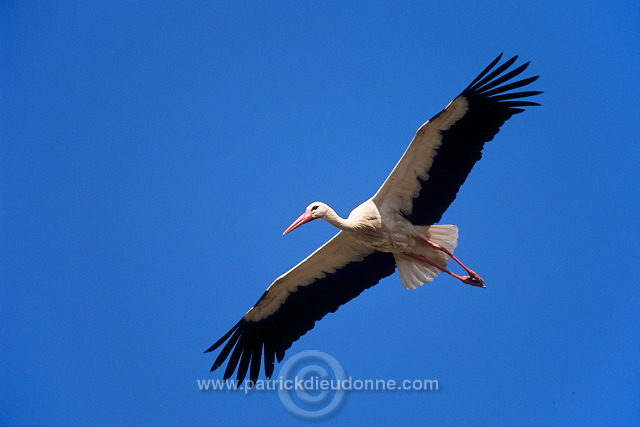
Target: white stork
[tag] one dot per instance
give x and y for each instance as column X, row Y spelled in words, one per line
column 393, row 229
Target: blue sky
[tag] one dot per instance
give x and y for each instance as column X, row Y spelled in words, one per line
column 152, row 153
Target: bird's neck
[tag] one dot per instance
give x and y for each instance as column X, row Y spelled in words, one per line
column 334, row 219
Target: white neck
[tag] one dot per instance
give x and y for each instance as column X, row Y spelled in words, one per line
column 334, row 219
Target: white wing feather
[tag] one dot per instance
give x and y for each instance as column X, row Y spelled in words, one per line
column 330, row 257
column 402, row 185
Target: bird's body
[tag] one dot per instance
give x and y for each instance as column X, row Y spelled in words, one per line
column 367, row 225
column 393, row 229
column 375, row 228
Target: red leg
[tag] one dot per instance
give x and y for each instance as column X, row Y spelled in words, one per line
column 471, row 273
column 469, row 280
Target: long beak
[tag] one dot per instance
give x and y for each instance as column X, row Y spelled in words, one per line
column 304, row 218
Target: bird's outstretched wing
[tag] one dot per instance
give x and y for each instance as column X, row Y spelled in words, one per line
column 333, row 275
column 427, row 178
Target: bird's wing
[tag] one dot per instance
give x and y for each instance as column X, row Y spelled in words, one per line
column 427, row 178
column 333, row 275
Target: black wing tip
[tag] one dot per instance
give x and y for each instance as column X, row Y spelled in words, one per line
column 496, row 80
column 241, row 350
column 210, row 349
column 224, row 338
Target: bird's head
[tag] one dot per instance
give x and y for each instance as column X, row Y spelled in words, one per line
column 314, row 211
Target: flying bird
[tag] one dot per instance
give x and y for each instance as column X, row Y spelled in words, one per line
column 396, row 228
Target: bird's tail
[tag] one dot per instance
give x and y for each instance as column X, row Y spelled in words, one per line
column 414, row 273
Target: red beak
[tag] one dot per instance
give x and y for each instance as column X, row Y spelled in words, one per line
column 304, row 218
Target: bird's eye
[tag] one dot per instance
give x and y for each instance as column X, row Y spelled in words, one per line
column 313, row 208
